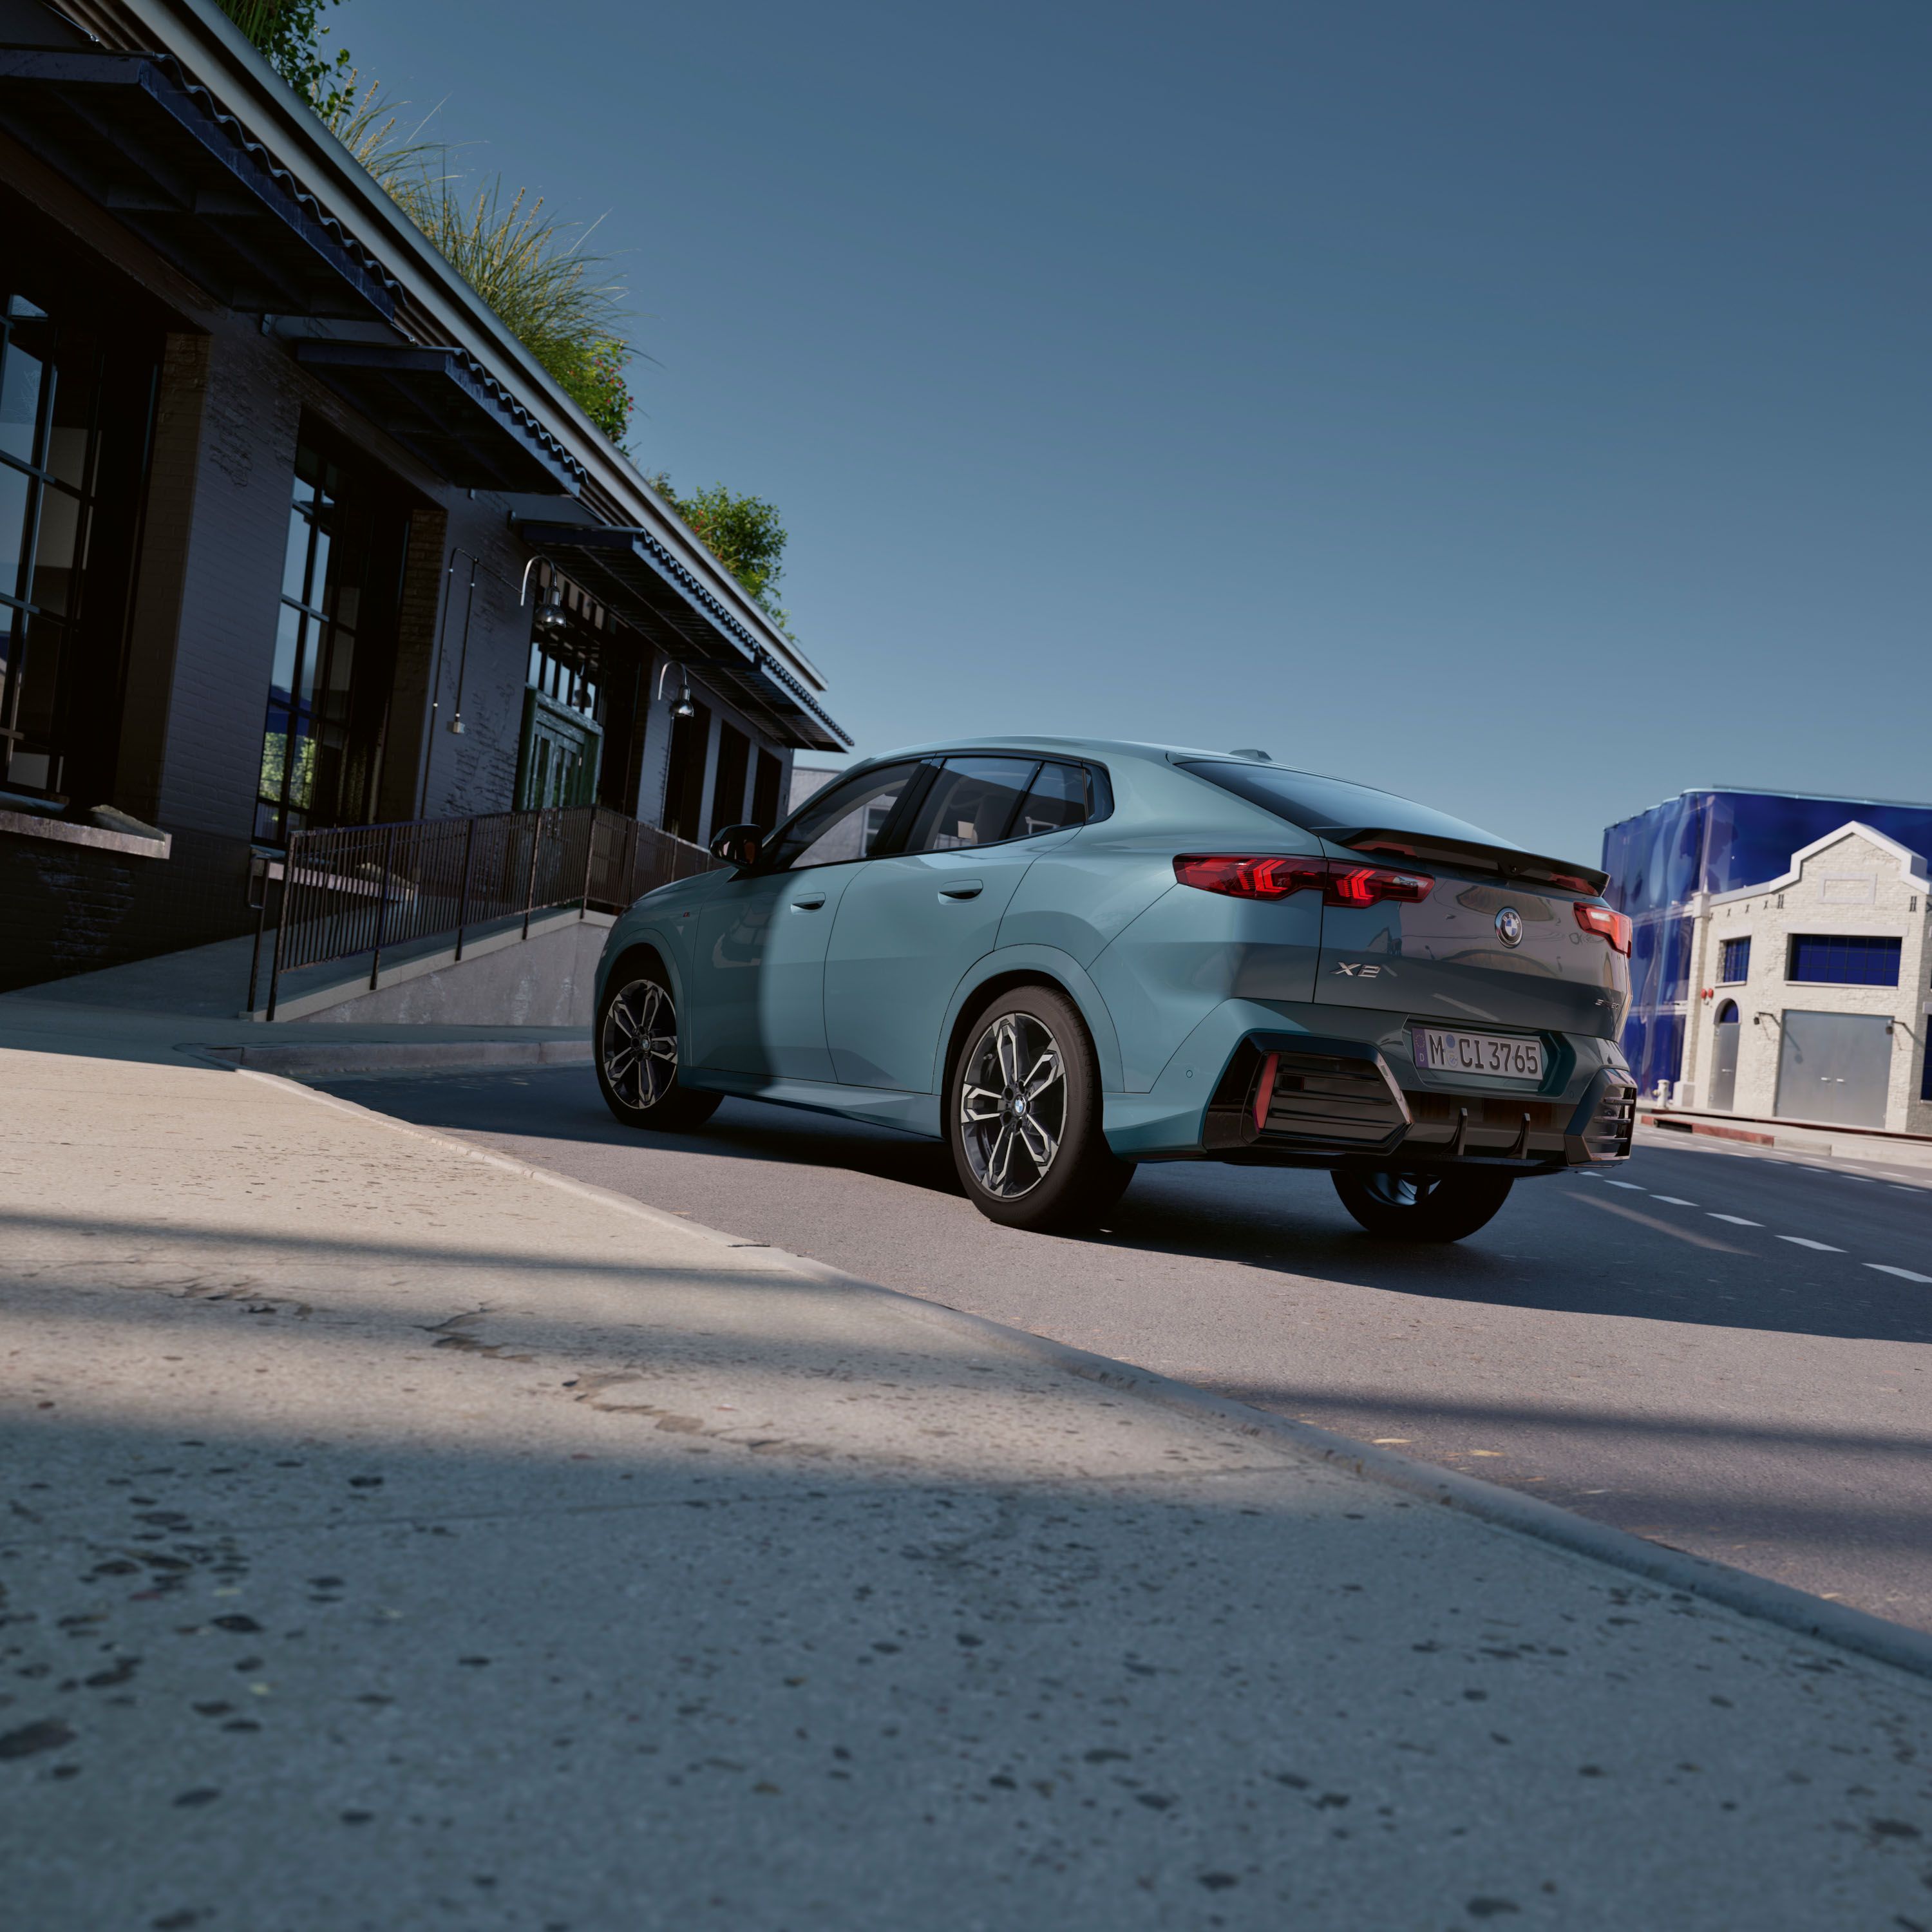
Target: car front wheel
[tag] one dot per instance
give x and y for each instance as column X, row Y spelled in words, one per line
column 1023, row 1116
column 637, row 1054
column 1443, row 1204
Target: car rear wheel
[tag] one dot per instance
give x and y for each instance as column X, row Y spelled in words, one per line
column 637, row 1054
column 1023, row 1116
column 1443, row 1204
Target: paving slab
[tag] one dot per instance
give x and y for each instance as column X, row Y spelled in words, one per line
column 394, row 1537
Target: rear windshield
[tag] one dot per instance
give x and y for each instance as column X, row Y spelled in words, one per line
column 1312, row 802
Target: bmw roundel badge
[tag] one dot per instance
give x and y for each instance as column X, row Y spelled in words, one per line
column 1509, row 926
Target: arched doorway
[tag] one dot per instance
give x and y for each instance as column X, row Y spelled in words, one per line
column 1724, row 1059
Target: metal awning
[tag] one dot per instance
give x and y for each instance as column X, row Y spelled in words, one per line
column 442, row 404
column 133, row 133
column 634, row 574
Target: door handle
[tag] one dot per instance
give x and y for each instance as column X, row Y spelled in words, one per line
column 963, row 889
column 810, row 902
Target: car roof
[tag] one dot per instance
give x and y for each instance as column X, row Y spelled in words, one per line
column 1075, row 748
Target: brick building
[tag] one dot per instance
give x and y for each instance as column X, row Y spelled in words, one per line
column 293, row 532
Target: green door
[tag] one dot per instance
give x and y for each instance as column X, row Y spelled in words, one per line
column 557, row 762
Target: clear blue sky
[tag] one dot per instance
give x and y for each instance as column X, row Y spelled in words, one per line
column 1523, row 406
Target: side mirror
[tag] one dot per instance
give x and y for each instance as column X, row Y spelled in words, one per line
column 738, row 844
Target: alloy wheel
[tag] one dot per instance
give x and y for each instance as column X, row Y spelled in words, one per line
column 1012, row 1106
column 640, row 1044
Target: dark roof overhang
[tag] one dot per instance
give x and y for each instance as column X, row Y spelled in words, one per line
column 639, row 578
column 445, row 407
column 134, row 134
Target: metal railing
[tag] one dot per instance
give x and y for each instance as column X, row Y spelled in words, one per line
column 372, row 889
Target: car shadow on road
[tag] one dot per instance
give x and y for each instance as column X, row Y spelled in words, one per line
column 563, row 1104
column 1539, row 1253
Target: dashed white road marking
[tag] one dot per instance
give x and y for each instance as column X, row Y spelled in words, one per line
column 1631, row 1185
column 1675, row 1200
column 1802, row 1241
column 1904, row 1274
column 1737, row 1220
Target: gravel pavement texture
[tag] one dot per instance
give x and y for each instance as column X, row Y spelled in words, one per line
column 393, row 1538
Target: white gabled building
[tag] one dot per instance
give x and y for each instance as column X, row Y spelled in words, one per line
column 1813, row 990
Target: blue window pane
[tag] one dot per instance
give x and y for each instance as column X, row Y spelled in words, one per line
column 1736, row 964
column 21, row 378
column 1844, row 959
column 1925, row 1075
column 13, row 488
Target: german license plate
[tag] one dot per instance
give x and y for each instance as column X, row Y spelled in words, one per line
column 1443, row 1052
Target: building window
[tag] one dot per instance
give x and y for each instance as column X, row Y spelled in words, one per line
column 74, row 419
column 1844, row 959
column 566, row 677
column 562, row 754
column 1925, row 1070
column 1734, row 962
column 321, row 743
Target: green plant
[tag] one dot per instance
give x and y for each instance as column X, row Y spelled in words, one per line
column 531, row 268
column 743, row 533
column 290, row 32
column 534, row 271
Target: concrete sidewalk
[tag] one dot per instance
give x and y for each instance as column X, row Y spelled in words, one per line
column 182, row 1008
column 396, row 1537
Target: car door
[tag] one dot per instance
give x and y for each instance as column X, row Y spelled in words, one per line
column 758, row 973
column 911, row 925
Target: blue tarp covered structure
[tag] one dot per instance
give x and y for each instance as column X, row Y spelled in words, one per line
column 1711, row 842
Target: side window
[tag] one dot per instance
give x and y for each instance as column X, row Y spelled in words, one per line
column 972, row 802
column 845, row 821
column 1058, row 800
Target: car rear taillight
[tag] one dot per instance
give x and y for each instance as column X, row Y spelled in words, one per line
column 1340, row 881
column 1614, row 926
column 1364, row 885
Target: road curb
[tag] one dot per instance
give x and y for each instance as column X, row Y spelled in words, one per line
column 1777, row 1604
column 325, row 1060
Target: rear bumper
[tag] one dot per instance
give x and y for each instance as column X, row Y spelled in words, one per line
column 1265, row 1085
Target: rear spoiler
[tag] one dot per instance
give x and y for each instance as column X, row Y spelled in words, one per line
column 1558, row 874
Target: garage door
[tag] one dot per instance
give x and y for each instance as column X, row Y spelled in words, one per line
column 1834, row 1067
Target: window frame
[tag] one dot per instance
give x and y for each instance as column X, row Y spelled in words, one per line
column 1009, row 835
column 22, row 616
column 889, row 833
column 1724, row 945
column 1856, row 943
column 356, row 540
column 893, row 837
column 1099, row 797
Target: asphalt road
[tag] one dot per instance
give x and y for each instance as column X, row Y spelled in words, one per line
column 1725, row 1351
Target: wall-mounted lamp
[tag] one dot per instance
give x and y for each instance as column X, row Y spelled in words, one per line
column 683, row 708
column 551, row 618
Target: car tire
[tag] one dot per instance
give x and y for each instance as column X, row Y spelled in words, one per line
column 636, row 1045
column 1424, row 1204
column 1023, row 1115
